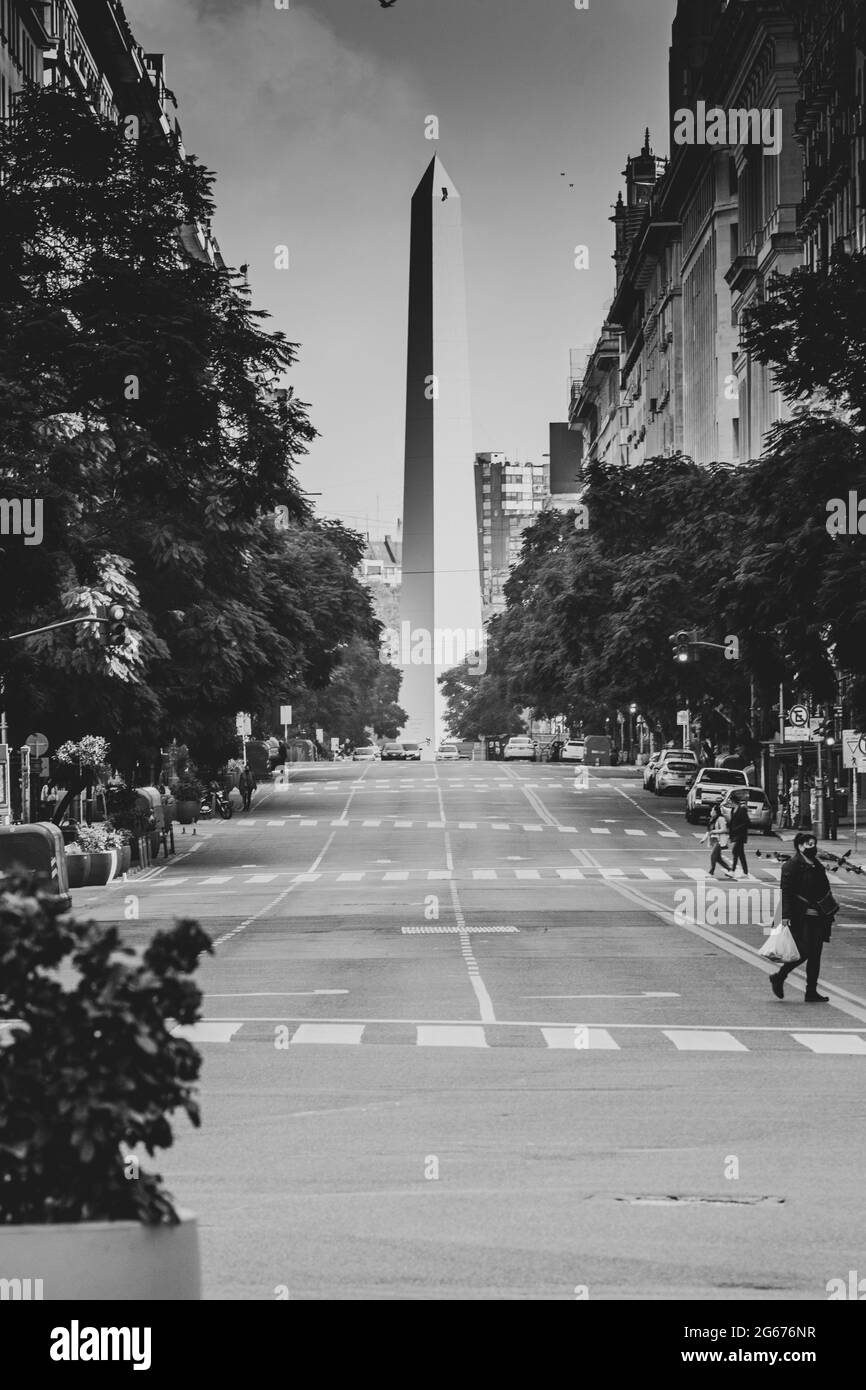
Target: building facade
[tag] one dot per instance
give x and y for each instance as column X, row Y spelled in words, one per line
column 508, row 498
column 23, row 40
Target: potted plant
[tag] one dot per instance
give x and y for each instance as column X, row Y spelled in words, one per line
column 90, row 1071
column 77, row 863
column 187, row 791
column 79, row 767
column 103, row 843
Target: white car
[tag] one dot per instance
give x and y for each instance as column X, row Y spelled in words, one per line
column 520, row 747
column 367, row 753
column 675, row 770
column 708, row 786
column 574, row 751
column 412, row 752
column 447, row 753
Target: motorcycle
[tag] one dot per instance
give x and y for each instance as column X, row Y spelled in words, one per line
column 217, row 799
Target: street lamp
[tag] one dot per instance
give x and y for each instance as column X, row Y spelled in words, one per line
column 632, row 711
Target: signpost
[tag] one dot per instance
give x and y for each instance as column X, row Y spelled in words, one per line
column 244, row 726
column 285, row 720
column 5, row 786
column 25, row 783
column 683, row 721
column 38, row 745
column 854, row 757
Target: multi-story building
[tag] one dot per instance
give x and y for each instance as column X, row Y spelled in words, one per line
column 382, row 561
column 831, row 129
column 23, row 40
column 88, row 47
column 508, row 498
column 697, row 243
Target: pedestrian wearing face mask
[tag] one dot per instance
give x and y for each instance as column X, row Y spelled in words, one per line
column 808, row 908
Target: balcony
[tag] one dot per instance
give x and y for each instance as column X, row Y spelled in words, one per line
column 741, row 273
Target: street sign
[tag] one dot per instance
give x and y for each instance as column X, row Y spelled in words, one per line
column 799, row 716
column 854, row 750
column 285, row 714
column 38, row 745
column 5, row 785
column 244, row 725
column 335, row 745
column 683, row 718
column 320, row 735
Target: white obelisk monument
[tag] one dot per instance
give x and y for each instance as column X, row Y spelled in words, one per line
column 440, row 603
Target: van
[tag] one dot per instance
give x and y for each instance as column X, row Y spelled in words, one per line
column 598, row 749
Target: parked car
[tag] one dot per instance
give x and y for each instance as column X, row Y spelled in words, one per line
column 520, row 747
column 574, row 751
column 708, row 786
column 393, row 752
column 676, row 768
column 366, row 753
column 649, row 771
column 411, row 752
column 447, row 753
column 760, row 809
column 599, row 751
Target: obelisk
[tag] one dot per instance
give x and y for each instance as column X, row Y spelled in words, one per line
column 440, row 601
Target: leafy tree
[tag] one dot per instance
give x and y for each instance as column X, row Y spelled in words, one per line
column 362, row 693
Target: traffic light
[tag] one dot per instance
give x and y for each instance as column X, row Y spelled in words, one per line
column 116, row 630
column 680, row 643
column 826, row 730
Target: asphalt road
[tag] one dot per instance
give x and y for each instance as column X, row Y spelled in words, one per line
column 469, row 1035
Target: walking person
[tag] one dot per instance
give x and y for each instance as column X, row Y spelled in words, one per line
column 739, row 832
column 717, row 838
column 246, row 786
column 808, row 908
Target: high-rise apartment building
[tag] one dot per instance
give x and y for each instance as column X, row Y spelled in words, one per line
column 508, row 498
column 23, row 40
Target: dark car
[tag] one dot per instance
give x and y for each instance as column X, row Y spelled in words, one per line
column 393, row 752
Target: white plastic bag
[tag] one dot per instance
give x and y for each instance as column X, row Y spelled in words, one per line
column 780, row 945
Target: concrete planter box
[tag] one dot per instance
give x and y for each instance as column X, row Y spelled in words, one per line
column 119, row 1261
column 103, row 867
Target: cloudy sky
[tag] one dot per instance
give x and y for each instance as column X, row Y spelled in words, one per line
column 313, row 119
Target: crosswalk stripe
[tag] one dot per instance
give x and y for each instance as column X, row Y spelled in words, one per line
column 206, row 1032
column 613, row 873
column 307, row 878
column 396, row 876
column 636, row 832
column 527, row 873
column 276, row 822
column 467, row 825
column 328, row 1033
column 570, row 873
column 340, row 822
column 435, row 824
column 669, row 834
column 831, row 1042
column 372, row 822
column 216, row 878
column 438, row 873
column 171, row 882
column 500, row 825
column 580, row 1039
column 659, row 875
column 351, row 878
column 403, row 824
column 532, row 827
column 261, row 878
column 567, row 829
column 484, row 873
column 703, row 1040
column 697, row 874
column 599, row 830
column 450, row 1035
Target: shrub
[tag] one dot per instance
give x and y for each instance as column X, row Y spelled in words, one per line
column 90, row 1069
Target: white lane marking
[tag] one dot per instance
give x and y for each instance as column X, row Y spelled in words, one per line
column 580, row 1039
column 309, row 877
column 261, row 878
column 450, row 1035
column 340, row 822
column 484, row 873
column 670, row 834
column 170, row 882
column 567, row 829
column 275, row 993
column 396, row 876
column 636, row 832
column 372, row 822
column 435, row 825
column 644, row 994
column 403, row 824
column 206, row 1032
column 532, row 827
column 328, row 1033
column 500, row 825
column 467, row 825
column 309, row 822
column 830, row 1042
column 658, row 875
column 351, row 877
column 485, row 1003
column 527, row 873
column 570, row 873
column 613, row 873
column 216, row 878
column 276, row 822
column 597, row 830
column 702, row 1040
column 697, row 874
column 439, row 873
